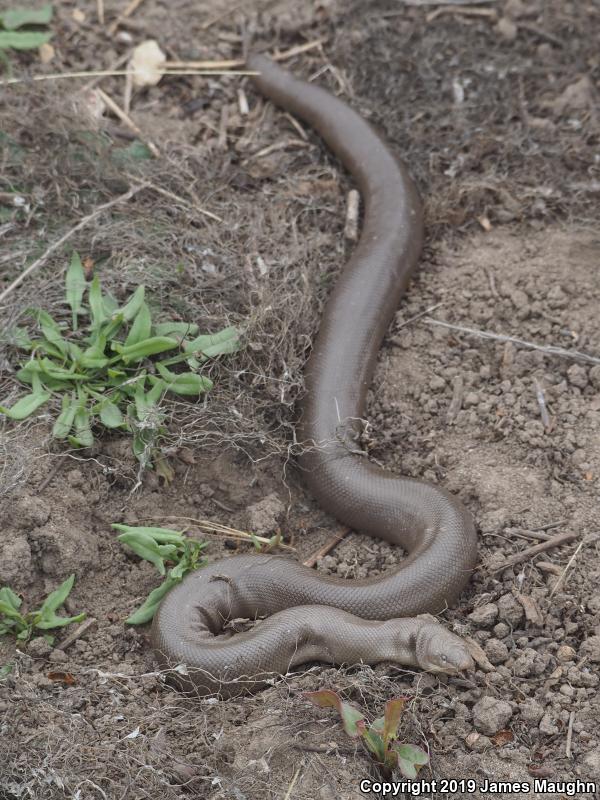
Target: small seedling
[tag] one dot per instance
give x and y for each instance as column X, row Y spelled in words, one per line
column 43, row 619
column 160, row 546
column 103, row 367
column 380, row 737
column 14, row 19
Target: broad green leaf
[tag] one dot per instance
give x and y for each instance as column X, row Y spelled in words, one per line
column 10, row 598
column 175, row 329
column 148, row 608
column 17, row 17
column 51, row 330
column 226, row 341
column 141, row 328
column 155, row 393
column 24, row 407
column 50, row 621
column 410, row 759
column 375, row 744
column 145, row 547
column 353, row 720
column 185, row 383
column 64, row 421
column 56, row 598
column 110, row 415
column 162, row 535
column 149, row 347
column 83, row 430
column 20, row 338
column 23, row 40
column 75, row 287
column 98, row 313
column 131, row 308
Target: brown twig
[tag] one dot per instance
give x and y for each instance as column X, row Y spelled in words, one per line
column 326, row 548
column 239, row 62
column 50, row 476
column 77, row 633
column 566, row 569
column 59, row 242
column 551, row 350
column 133, row 5
column 570, row 734
column 555, row 541
column 126, row 120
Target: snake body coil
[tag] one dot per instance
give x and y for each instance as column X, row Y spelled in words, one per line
column 311, row 616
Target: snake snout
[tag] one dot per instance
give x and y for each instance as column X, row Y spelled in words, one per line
column 438, row 650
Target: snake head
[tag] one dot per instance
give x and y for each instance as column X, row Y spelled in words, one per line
column 439, row 650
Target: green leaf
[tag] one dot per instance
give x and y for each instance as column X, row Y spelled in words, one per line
column 148, row 608
column 18, row 17
column 149, row 347
column 24, row 407
column 141, row 328
column 163, row 535
column 51, row 330
column 145, row 547
column 375, row 744
column 23, row 40
column 53, row 621
column 64, row 421
column 225, row 341
column 75, row 286
column 133, row 305
column 410, row 759
column 155, row 393
column 110, row 415
column 175, row 329
column 83, row 429
column 20, row 338
column 56, row 598
column 9, row 599
column 353, row 720
column 98, row 313
column 185, row 383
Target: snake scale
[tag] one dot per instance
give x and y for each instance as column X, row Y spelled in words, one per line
column 311, row 616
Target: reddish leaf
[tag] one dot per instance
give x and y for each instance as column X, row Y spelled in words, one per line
column 392, row 714
column 353, row 720
column 62, row 677
column 502, row 737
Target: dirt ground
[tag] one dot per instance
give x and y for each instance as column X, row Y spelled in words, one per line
column 494, row 106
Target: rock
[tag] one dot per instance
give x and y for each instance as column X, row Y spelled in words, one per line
column 63, row 550
column 38, row 647
column 58, row 656
column 496, row 651
column 28, row 512
column 591, row 649
column 510, row 610
column 263, row 518
column 484, row 616
column 531, row 711
column 577, row 376
column 592, row 760
column 501, row 630
column 565, row 654
column 15, row 559
column 507, row 29
column 491, row 715
column 548, row 725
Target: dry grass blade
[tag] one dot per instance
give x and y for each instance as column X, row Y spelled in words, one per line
column 218, row 529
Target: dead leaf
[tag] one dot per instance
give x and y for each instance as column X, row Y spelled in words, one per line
column 46, row 52
column 479, row 655
column 502, row 737
column 531, row 608
column 146, row 64
column 62, row 677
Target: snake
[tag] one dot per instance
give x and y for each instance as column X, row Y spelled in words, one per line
column 309, row 616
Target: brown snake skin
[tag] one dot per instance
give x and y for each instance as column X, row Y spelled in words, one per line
column 311, row 616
